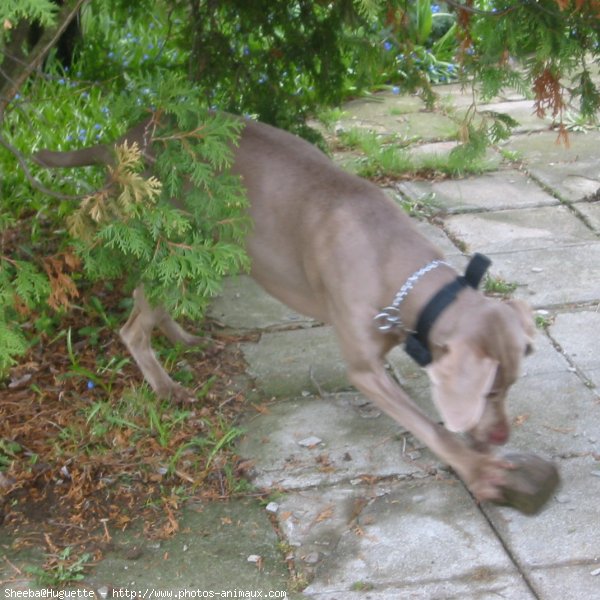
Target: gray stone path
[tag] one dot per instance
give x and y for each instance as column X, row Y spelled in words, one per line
column 366, row 510
column 360, row 509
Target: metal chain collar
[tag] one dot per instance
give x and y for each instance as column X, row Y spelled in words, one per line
column 389, row 317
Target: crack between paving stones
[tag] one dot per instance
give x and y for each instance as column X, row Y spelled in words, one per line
column 570, row 205
column 369, row 480
column 506, row 548
column 573, row 368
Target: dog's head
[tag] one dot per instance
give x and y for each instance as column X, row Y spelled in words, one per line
column 473, row 369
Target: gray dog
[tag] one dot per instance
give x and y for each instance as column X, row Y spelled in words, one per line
column 334, row 247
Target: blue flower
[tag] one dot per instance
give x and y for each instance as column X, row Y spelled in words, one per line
column 61, row 81
column 435, row 8
column 105, row 110
column 90, row 385
column 85, row 95
column 69, row 138
column 145, row 57
column 97, row 126
column 387, row 46
column 111, row 54
column 246, row 51
column 395, row 90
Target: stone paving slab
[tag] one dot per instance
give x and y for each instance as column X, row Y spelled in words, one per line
column 522, row 111
column 523, row 229
column 566, row 275
column 426, row 538
column 459, row 95
column 554, row 414
column 566, row 581
column 564, row 533
column 570, row 172
column 582, row 350
column 566, row 329
column 421, row 126
column 383, row 104
column 591, row 212
column 244, row 305
column 437, row 235
column 499, row 190
column 288, row 363
column 309, row 441
column 213, row 542
column 313, row 520
column 421, row 152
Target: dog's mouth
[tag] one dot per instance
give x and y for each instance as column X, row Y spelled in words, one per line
column 497, row 436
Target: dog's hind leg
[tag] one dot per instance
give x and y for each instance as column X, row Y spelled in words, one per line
column 136, row 335
column 174, row 332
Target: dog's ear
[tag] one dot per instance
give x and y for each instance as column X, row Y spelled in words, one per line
column 525, row 315
column 461, row 379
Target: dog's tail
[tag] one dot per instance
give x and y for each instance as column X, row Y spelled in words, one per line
column 94, row 155
column 102, row 154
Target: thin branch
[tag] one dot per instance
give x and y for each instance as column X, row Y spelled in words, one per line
column 32, row 180
column 46, row 43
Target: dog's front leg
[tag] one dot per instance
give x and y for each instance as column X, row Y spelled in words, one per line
column 364, row 351
column 136, row 335
column 483, row 473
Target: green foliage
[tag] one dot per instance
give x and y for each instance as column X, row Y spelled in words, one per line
column 180, row 253
column 278, row 59
column 61, row 569
column 535, row 42
column 498, row 286
column 419, row 46
column 22, row 286
column 129, row 230
column 38, row 10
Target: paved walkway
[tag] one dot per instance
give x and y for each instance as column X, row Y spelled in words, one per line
column 366, row 510
column 360, row 509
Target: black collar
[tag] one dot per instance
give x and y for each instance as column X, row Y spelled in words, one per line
column 417, row 343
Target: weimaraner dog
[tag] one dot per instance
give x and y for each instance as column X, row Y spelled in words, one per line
column 334, row 247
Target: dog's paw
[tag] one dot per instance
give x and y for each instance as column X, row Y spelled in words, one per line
column 488, row 474
column 176, row 393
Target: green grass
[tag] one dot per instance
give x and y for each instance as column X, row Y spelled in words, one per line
column 60, row 569
column 498, row 286
column 543, row 321
column 329, row 117
column 390, row 156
